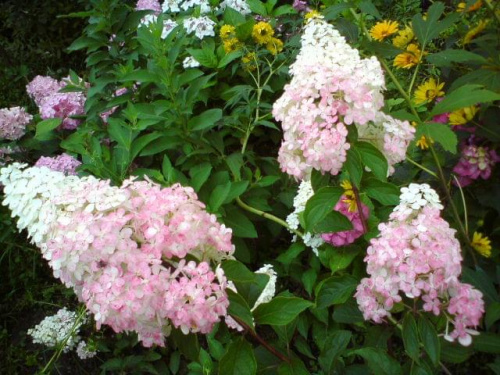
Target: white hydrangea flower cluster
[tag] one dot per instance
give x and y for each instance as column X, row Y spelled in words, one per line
column 416, row 196
column 201, row 26
column 57, row 329
column 84, row 352
column 190, row 62
column 240, row 6
column 314, row 241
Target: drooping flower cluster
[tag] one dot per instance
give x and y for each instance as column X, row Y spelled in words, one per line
column 332, row 87
column 417, row 256
column 54, row 104
column 63, row 327
column 13, row 122
column 123, row 249
column 64, row 163
column 475, row 162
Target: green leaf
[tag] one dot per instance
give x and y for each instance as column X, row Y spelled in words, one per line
column 366, row 6
column 296, row 367
column 333, row 222
column 120, row 132
column 239, row 359
column 348, row 313
column 454, row 352
column 233, row 17
column 487, row 342
column 257, row 6
column 383, row 192
column 464, row 96
column 354, row 166
column 188, row 345
column 481, row 281
column 492, row 314
column 335, row 344
column 342, row 258
column 237, row 188
column 199, row 175
column 373, row 159
column 167, row 169
column 205, row 57
column 382, row 49
column 450, row 56
column 378, row 361
column 292, row 253
column 239, row 223
column 206, row 120
column 218, row 196
column 309, row 279
column 229, row 57
column 335, row 290
column 320, row 204
column 280, row 310
column 44, row 128
column 430, row 340
column 141, row 142
column 239, row 308
column 140, row 75
column 333, row 11
column 426, row 30
column 237, row 271
column 410, row 336
column 235, row 162
column 440, row 133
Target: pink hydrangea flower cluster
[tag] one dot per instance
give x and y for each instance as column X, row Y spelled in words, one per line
column 13, row 122
column 332, row 87
column 64, row 163
column 475, row 162
column 139, row 256
column 149, row 5
column 347, row 237
column 52, row 103
column 417, row 256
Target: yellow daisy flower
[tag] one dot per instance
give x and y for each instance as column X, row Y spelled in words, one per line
column 262, row 33
column 428, row 91
column 409, row 58
column 383, row 29
column 475, row 31
column 312, row 14
column 231, row 45
column 461, row 6
column 463, row 115
column 274, row 46
column 227, row 31
column 404, row 37
column 481, row 244
column 350, row 196
column 424, row 142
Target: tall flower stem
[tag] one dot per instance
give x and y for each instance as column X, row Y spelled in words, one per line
column 268, row 216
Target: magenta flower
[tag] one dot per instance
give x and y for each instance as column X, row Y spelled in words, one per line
column 475, row 162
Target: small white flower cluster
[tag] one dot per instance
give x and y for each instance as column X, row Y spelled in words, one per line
column 240, row 6
column 416, row 196
column 168, row 25
column 265, row 296
column 190, row 62
column 201, row 26
column 270, row 288
column 56, row 329
column 84, row 352
column 314, row 241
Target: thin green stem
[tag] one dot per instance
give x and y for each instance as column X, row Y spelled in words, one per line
column 268, row 216
column 421, row 167
column 466, row 221
column 415, row 73
column 452, row 204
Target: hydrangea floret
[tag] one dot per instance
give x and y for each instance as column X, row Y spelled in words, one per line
column 13, row 122
column 417, row 256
